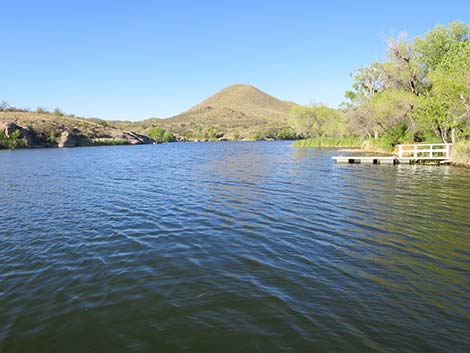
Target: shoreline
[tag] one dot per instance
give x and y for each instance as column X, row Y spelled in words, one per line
column 40, row 147
column 460, row 150
column 462, row 159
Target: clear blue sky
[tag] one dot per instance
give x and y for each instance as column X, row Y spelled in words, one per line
column 138, row 59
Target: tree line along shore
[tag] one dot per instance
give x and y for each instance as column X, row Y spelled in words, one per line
column 419, row 94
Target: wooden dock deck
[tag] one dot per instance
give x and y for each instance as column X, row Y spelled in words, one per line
column 438, row 153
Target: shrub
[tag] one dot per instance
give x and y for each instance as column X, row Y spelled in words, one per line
column 41, row 110
column 52, row 136
column 104, row 141
column 161, row 135
column 58, row 112
column 285, row 134
column 168, row 137
column 330, row 142
column 380, row 145
column 12, row 142
column 211, row 134
column 389, row 139
column 460, row 153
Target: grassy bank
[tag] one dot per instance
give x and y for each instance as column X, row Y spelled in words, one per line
column 377, row 146
column 107, row 142
column 330, row 142
column 460, row 154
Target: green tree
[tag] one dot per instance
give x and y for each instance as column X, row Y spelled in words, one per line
column 402, row 70
column 317, row 121
column 446, row 107
column 368, row 82
column 382, row 112
column 432, row 115
column 168, row 137
column 13, row 141
column 434, row 46
column 161, row 135
column 420, row 91
column 211, row 134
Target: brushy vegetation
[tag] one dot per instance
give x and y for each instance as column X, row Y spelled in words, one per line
column 106, row 141
column 160, row 135
column 328, row 142
column 420, row 94
column 460, row 154
column 12, row 142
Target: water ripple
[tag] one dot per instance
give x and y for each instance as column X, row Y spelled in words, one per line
column 230, row 247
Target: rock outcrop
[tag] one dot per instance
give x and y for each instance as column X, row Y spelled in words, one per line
column 68, row 139
column 28, row 130
column 8, row 128
column 137, row 139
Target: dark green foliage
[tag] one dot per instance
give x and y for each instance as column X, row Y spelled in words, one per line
column 285, row 134
column 168, row 137
column 211, row 134
column 58, row 112
column 12, row 142
column 396, row 135
column 161, row 135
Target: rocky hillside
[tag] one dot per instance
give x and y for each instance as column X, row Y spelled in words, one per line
column 246, row 99
column 28, row 129
column 236, row 112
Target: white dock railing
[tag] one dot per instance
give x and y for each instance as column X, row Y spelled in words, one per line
column 425, row 151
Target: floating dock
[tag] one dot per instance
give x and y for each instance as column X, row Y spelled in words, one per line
column 388, row 160
column 407, row 154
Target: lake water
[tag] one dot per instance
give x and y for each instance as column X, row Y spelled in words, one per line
column 230, row 247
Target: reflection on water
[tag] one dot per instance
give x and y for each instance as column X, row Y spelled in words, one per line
column 230, row 247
